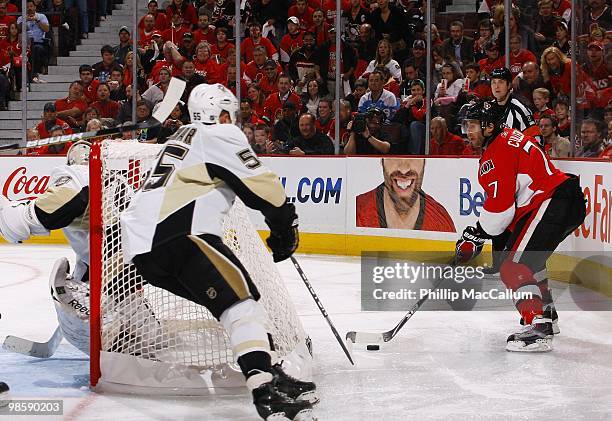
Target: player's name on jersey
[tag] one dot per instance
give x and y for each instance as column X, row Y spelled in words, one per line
column 447, row 294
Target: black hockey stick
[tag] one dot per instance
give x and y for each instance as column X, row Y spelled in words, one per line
column 377, row 338
column 321, row 308
column 172, row 97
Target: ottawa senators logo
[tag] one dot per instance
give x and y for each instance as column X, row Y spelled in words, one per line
column 486, row 167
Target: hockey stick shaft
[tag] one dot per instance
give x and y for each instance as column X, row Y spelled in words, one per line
column 34, row 349
column 413, row 310
column 59, row 140
column 172, row 97
column 321, row 308
column 370, row 337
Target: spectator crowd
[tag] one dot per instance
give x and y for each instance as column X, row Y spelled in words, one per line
column 287, row 79
column 54, row 28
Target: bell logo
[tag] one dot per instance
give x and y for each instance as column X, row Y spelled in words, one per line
column 212, row 293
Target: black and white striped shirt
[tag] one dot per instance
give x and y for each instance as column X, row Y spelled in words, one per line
column 518, row 116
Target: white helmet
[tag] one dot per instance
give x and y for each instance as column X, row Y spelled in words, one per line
column 206, row 102
column 78, row 154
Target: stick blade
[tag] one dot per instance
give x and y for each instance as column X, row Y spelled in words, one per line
column 31, row 348
column 173, row 95
column 365, row 337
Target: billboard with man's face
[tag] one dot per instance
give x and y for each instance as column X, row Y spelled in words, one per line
column 400, row 201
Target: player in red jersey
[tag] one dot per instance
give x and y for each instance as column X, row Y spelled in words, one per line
column 400, row 202
column 537, row 203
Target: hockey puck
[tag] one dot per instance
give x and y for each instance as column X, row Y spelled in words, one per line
column 4, row 394
column 373, row 347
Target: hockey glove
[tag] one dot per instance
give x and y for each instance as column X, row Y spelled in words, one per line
column 284, row 236
column 469, row 245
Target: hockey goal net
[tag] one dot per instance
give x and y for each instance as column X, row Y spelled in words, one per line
column 146, row 337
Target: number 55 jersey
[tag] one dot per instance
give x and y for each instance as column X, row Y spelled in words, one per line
column 193, row 186
column 517, row 177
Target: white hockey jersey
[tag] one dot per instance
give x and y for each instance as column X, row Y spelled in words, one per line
column 193, row 185
column 65, row 205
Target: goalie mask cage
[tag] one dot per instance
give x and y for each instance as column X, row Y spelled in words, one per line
column 147, row 340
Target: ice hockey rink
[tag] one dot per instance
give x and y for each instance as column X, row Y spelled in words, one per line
column 441, row 366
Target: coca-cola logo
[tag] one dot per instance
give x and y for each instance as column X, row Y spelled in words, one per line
column 19, row 185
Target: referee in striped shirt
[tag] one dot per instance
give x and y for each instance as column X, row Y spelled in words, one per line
column 517, row 115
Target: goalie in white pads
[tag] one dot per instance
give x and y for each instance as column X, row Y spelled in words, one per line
column 172, row 230
column 64, row 205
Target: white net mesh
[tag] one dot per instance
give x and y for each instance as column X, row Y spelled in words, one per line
column 151, row 323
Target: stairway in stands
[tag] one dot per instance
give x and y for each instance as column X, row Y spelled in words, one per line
column 67, row 70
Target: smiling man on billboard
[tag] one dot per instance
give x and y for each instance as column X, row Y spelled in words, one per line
column 400, row 202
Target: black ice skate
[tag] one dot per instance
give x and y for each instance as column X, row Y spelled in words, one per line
column 549, row 313
column 536, row 337
column 273, row 406
column 293, row 388
column 4, row 394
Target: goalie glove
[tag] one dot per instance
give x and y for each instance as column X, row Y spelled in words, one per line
column 469, row 245
column 284, row 236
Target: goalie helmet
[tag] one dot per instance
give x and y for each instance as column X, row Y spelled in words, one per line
column 207, row 102
column 78, row 154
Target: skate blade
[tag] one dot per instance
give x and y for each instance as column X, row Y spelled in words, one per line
column 311, row 397
column 303, row 415
column 541, row 345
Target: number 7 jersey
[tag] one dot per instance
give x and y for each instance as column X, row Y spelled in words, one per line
column 193, row 186
column 517, row 177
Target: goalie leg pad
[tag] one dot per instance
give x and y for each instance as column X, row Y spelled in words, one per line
column 141, row 326
column 245, row 323
column 71, row 301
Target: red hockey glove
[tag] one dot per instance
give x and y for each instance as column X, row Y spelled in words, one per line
column 469, row 245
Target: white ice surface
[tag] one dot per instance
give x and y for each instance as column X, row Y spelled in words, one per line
column 442, row 365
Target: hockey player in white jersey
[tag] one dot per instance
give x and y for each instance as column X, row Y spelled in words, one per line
column 172, row 230
column 64, row 205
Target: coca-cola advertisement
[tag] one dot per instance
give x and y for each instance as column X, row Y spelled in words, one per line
column 26, row 178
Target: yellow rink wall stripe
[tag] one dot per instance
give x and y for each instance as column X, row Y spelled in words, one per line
column 587, row 273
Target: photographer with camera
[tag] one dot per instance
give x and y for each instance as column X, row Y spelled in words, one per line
column 366, row 137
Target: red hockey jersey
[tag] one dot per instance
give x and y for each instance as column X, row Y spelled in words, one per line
column 517, row 177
